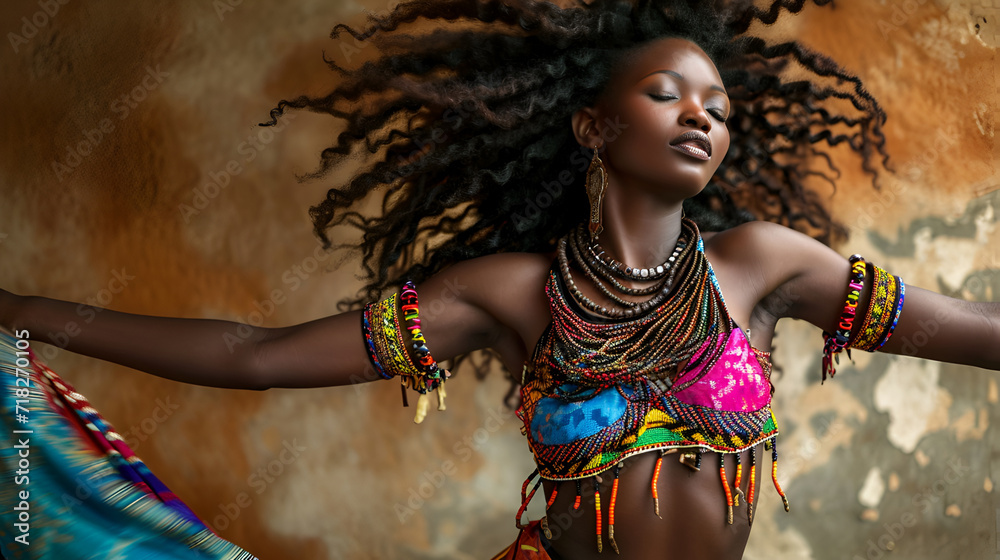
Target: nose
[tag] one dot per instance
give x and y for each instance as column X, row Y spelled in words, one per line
column 695, row 115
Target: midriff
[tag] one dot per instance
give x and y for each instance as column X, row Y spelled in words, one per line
column 692, row 506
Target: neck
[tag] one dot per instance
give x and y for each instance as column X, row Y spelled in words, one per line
column 639, row 230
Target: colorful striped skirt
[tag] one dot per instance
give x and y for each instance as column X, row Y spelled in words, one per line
column 71, row 487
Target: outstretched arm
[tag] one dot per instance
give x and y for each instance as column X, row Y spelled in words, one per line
column 331, row 351
column 188, row 350
column 324, row 352
column 931, row 325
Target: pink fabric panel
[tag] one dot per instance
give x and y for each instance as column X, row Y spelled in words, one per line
column 736, row 383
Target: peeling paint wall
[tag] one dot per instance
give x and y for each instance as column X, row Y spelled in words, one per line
column 895, row 457
column 128, row 152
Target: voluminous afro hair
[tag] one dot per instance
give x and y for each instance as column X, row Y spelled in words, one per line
column 464, row 122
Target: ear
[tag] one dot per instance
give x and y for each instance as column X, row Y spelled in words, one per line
column 587, row 128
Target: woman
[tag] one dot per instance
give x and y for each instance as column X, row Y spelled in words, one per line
column 677, row 130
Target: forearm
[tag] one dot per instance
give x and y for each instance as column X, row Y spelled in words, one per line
column 991, row 312
column 936, row 327
column 970, row 333
column 206, row 352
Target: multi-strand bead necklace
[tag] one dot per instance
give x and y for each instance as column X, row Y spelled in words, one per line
column 596, row 266
column 648, row 339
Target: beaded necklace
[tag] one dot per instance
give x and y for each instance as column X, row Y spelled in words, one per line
column 593, row 266
column 615, row 268
column 651, row 344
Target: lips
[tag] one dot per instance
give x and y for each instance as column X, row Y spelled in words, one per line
column 694, row 143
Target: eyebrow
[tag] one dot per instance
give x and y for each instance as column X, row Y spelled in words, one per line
column 679, row 77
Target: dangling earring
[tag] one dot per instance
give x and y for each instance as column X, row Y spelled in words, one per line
column 597, row 185
column 682, row 212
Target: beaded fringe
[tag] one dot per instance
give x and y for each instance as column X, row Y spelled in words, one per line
column 725, row 486
column 753, row 484
column 690, row 458
column 576, row 505
column 526, row 500
column 656, row 478
column 774, row 472
column 597, row 508
column 739, row 480
column 611, row 511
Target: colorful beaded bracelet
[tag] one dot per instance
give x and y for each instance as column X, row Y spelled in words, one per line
column 387, row 339
column 834, row 343
column 411, row 313
column 880, row 307
column 884, row 306
column 895, row 316
column 387, row 349
column 366, row 329
column 433, row 377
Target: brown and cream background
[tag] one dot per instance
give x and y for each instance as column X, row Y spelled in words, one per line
column 178, row 89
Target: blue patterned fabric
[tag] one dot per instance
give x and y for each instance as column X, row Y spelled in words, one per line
column 558, row 422
column 71, row 489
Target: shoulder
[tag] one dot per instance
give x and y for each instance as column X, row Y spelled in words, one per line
column 774, row 246
column 495, row 301
column 758, row 235
column 781, row 267
column 533, row 261
column 500, row 284
column 502, row 296
column 506, row 267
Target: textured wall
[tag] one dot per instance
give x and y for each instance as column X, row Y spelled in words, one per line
column 128, row 151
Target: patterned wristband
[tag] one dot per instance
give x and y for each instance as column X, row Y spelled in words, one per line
column 387, row 339
column 881, row 303
column 387, row 349
column 366, row 330
column 834, row 343
column 411, row 313
column 895, row 316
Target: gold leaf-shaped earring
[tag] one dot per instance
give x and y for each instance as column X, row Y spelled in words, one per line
column 597, row 186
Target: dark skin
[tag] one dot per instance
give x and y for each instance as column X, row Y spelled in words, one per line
column 766, row 272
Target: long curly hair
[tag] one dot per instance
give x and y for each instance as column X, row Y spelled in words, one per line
column 464, row 119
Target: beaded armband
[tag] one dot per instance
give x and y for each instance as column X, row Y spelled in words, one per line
column 834, row 343
column 369, row 334
column 387, row 349
column 884, row 307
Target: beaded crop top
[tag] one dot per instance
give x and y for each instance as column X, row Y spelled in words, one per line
column 671, row 374
column 718, row 400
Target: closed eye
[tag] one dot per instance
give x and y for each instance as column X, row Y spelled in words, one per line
column 720, row 115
